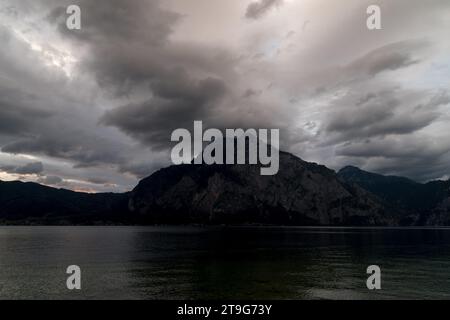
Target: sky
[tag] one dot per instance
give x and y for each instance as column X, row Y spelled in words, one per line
column 93, row 109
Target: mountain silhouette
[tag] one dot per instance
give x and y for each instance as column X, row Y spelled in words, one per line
column 422, row 203
column 32, row 203
column 301, row 193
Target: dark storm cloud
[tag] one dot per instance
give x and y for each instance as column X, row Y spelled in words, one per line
column 257, row 9
column 177, row 83
column 373, row 107
column 68, row 128
column 383, row 113
column 107, row 21
column 127, row 66
column 17, row 119
column 175, row 107
column 388, row 58
column 392, row 148
column 146, row 67
column 373, row 121
column 366, row 99
column 40, row 114
column 29, row 168
column 384, row 134
column 419, row 157
column 18, row 110
column 83, row 150
column 394, row 57
column 128, row 42
column 250, row 92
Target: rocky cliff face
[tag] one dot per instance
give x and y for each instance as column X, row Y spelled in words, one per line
column 301, row 193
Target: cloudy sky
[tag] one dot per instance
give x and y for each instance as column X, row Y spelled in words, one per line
column 93, row 109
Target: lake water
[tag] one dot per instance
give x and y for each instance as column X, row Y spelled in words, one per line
column 223, row 262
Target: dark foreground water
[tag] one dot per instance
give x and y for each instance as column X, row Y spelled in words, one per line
column 223, row 263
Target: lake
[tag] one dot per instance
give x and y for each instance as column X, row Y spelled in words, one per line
column 223, row 262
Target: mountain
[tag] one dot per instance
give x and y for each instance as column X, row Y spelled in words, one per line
column 398, row 191
column 423, row 203
column 301, row 193
column 31, row 203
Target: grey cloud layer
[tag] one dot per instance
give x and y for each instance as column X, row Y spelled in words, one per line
column 340, row 94
column 257, row 9
column 182, row 82
column 29, row 168
column 383, row 113
column 174, row 107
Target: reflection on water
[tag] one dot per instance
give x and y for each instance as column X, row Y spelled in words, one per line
column 223, row 263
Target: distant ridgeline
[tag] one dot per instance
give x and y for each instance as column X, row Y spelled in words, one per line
column 301, row 193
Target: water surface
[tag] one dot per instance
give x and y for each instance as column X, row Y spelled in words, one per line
column 223, row 262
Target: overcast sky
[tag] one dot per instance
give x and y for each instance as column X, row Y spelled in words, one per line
column 93, row 109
